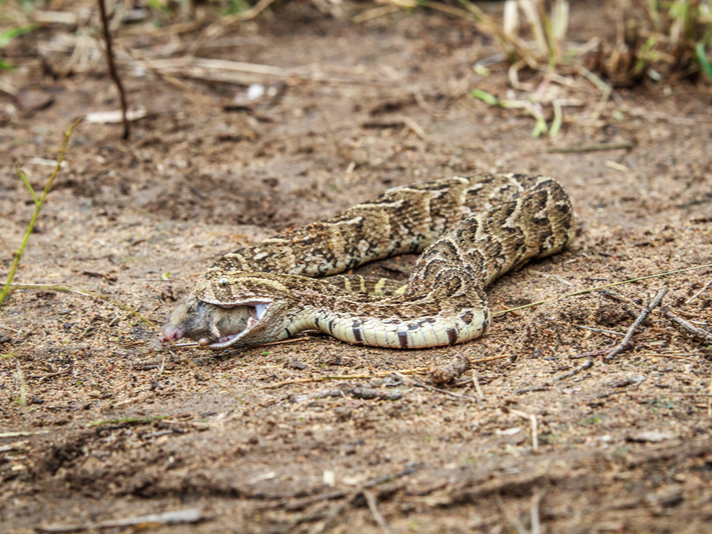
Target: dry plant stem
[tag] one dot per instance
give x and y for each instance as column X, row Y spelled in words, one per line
column 417, row 370
column 192, row 515
column 511, row 518
column 583, row 367
column 373, row 506
column 4, row 244
column 183, row 87
column 643, row 315
column 476, row 383
column 490, row 359
column 536, row 522
column 597, row 288
column 587, row 148
column 693, row 297
column 70, row 289
column 112, row 68
column 532, row 419
column 686, row 325
column 447, row 373
column 539, row 387
column 38, row 206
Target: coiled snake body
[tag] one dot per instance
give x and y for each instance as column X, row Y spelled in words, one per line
column 471, row 230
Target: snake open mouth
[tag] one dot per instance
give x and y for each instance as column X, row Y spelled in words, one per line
column 256, row 310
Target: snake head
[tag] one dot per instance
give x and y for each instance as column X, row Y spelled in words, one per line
column 239, row 309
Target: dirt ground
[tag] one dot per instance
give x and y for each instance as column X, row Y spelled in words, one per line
column 100, row 422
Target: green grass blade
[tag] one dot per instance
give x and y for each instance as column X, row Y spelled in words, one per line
column 485, row 97
column 22, row 175
column 702, row 58
column 38, row 207
column 9, row 34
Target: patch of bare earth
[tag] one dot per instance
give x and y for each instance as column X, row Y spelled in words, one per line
column 116, row 426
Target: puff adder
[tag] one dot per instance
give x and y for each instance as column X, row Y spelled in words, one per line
column 470, row 231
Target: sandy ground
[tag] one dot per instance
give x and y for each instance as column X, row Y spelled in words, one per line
column 100, row 422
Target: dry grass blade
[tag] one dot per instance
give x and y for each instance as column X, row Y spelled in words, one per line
column 533, row 421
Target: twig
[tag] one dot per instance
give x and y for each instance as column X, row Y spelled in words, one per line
column 592, row 354
column 542, row 387
column 416, row 370
column 21, row 434
column 489, row 359
column 183, row 87
column 602, row 103
column 643, row 315
column 191, row 515
column 38, row 207
column 476, row 383
column 583, row 367
column 588, row 148
column 597, row 288
column 372, row 505
column 112, row 68
column 532, row 419
column 510, row 517
column 10, row 329
column 451, row 371
column 536, row 522
column 693, row 297
column 415, row 127
column 686, row 325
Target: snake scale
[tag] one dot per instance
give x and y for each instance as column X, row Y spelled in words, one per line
column 470, row 231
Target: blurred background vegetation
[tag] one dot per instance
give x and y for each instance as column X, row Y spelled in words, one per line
column 649, row 39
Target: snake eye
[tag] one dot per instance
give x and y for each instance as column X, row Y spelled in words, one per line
column 222, row 282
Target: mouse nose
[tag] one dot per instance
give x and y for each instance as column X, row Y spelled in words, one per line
column 171, row 333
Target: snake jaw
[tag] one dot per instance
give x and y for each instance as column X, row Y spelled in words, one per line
column 257, row 311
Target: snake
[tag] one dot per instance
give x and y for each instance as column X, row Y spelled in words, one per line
column 468, row 230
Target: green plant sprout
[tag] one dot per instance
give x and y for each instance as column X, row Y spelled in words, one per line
column 38, row 207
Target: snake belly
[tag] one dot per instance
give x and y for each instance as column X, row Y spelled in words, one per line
column 470, row 231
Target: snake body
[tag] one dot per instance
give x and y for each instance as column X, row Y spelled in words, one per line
column 470, row 231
